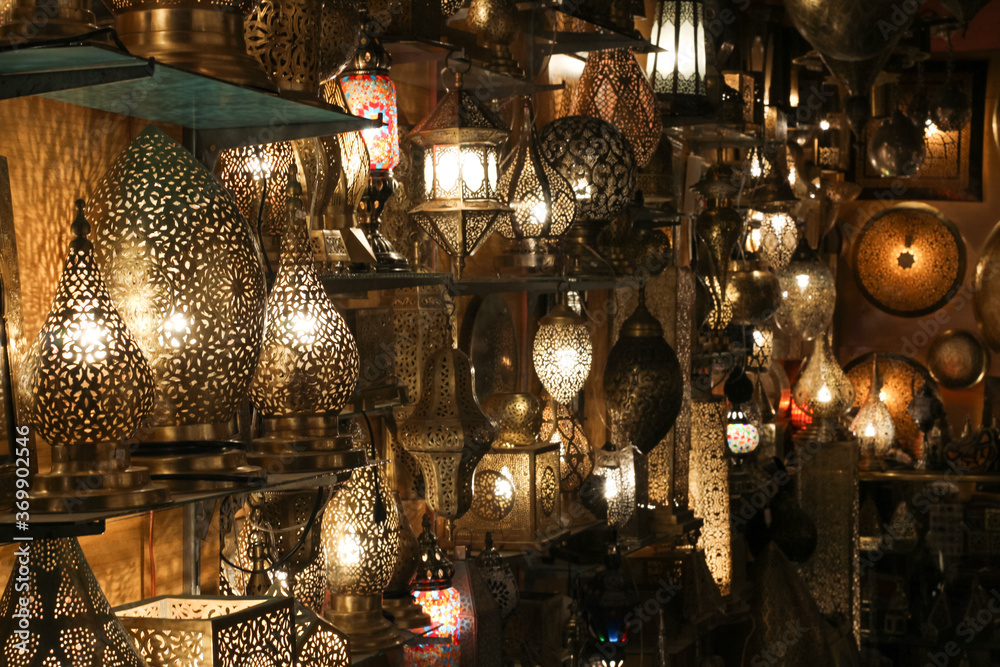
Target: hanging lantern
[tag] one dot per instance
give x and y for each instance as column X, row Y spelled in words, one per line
column 752, row 291
column 370, row 93
column 778, row 238
column 361, row 540
column 308, row 365
column 397, row 601
column 643, row 388
column 182, row 268
column 461, row 140
column 91, row 389
column 562, row 353
column 54, row 612
column 541, row 199
column 448, row 433
column 495, row 23
column 609, row 492
column 719, row 227
column 614, row 88
column 576, row 457
column 822, row 389
column 742, row 417
column 808, row 295
column 761, row 348
column 25, row 21
column 873, row 425
column 678, row 70
column 433, row 590
column 499, row 577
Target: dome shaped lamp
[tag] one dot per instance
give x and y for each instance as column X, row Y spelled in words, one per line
column 91, row 388
column 822, row 390
column 873, row 426
column 308, row 365
column 562, row 353
column 808, row 295
column 370, row 93
column 643, row 387
column 541, row 199
column 461, row 140
column 678, row 69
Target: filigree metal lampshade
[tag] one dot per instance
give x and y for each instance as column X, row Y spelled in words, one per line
column 91, row 388
column 678, row 71
column 778, row 238
column 182, row 268
column 909, row 260
column 495, row 23
column 397, row 601
column 752, row 291
column 317, row 642
column 499, row 577
column 349, row 164
column 361, row 539
column 719, row 227
column 518, row 417
column 872, row 426
column 613, row 483
column 448, row 433
column 643, row 387
column 202, row 36
column 761, row 352
column 233, row 631
column 53, row 612
column 614, row 88
column 541, row 199
column 808, row 295
column 562, row 353
column 252, row 173
column 576, row 457
column 461, row 140
column 708, row 486
column 822, row 389
column 308, row 365
column 902, row 380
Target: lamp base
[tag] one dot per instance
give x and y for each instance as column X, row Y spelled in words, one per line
column 303, row 443
column 527, row 256
column 406, row 613
column 580, row 250
column 189, row 467
column 93, row 477
column 201, row 40
column 360, row 618
column 35, row 20
column 387, row 258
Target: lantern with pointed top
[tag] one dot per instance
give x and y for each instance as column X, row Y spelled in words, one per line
column 873, row 425
column 499, row 577
column 822, row 390
column 91, row 388
column 434, row 569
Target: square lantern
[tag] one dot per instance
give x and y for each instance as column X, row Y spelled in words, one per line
column 515, row 495
column 211, row 630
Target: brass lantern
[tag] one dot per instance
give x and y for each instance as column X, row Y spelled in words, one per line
column 495, row 23
column 448, row 433
column 499, row 577
column 643, row 387
column 308, row 366
column 92, row 388
column 808, row 295
column 822, row 390
column 719, row 227
column 54, row 612
column 183, row 270
column 709, row 486
column 562, row 353
column 576, row 457
column 678, row 70
column 610, row 491
column 361, row 540
column 397, row 600
column 461, row 140
column 873, row 426
column 614, row 88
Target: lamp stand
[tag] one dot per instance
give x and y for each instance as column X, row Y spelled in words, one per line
column 581, row 253
column 195, row 457
column 380, row 189
column 302, row 444
column 405, row 612
column 360, row 618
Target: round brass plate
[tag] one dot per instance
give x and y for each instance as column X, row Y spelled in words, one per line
column 958, row 359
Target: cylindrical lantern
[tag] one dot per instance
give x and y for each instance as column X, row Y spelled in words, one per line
column 576, row 457
column 808, row 295
column 308, row 365
column 709, row 486
column 614, row 88
column 610, row 489
column 678, row 69
column 499, row 577
column 361, row 539
column 778, row 238
column 183, row 269
column 92, row 388
column 448, row 433
column 461, row 140
column 643, row 388
column 257, row 177
column 562, row 353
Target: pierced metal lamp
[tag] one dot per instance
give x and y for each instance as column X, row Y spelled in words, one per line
column 54, row 612
column 614, row 88
column 308, row 365
column 822, row 390
column 562, row 353
column 256, row 176
column 678, row 71
column 397, row 600
column 610, row 491
column 576, row 456
column 808, row 295
column 370, row 93
column 361, row 539
column 499, row 577
column 873, row 425
column 91, row 388
column 461, row 140
column 183, row 270
column 448, row 433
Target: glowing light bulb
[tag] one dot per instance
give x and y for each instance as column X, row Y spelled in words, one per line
column 802, row 280
column 824, row 395
column 611, row 485
column 824, row 125
column 349, row 547
column 503, row 488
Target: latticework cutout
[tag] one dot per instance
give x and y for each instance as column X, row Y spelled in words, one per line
column 597, row 161
column 69, row 621
column 285, row 36
column 808, row 295
column 679, row 29
column 317, row 642
column 909, row 260
column 902, row 377
column 542, row 200
column 778, row 238
column 183, row 270
column 708, row 486
column 517, row 416
column 576, row 457
column 406, row 559
column 822, row 390
column 309, row 360
column 224, row 632
column 348, row 157
column 361, row 535
column 614, row 88
column 448, row 433
column 616, row 467
column 499, row 577
column 252, row 172
column 89, row 380
column 562, row 353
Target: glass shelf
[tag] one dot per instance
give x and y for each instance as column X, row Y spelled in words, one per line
column 357, row 283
